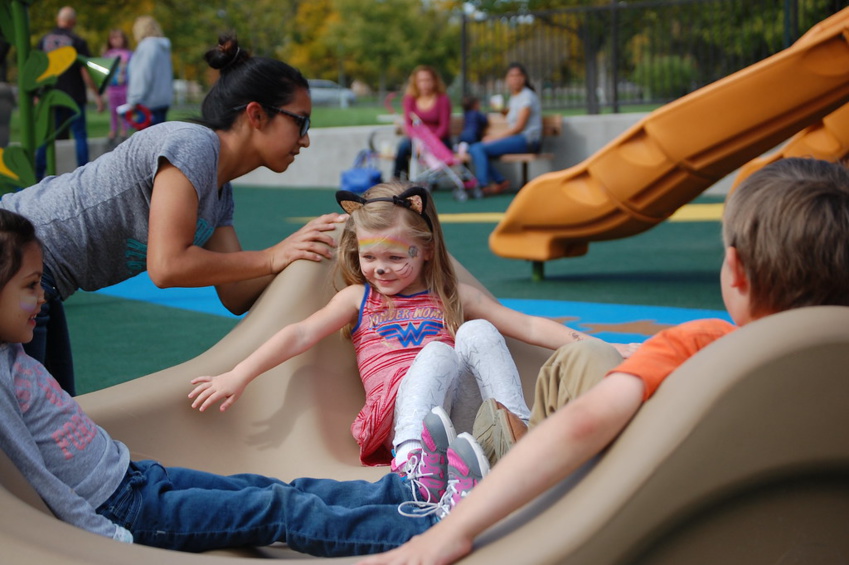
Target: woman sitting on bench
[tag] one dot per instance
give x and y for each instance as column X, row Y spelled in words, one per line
column 524, row 118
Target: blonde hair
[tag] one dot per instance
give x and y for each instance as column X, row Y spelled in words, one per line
column 438, row 273
column 146, row 26
column 413, row 87
column 789, row 223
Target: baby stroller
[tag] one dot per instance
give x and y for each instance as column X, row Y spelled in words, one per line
column 433, row 164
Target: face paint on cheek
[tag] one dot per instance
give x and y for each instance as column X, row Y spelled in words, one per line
column 414, row 251
column 30, row 306
column 404, row 270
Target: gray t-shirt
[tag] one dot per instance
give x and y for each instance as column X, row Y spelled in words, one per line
column 70, row 461
column 94, row 221
column 527, row 98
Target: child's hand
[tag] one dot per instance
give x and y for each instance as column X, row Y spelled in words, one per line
column 210, row 390
column 626, row 349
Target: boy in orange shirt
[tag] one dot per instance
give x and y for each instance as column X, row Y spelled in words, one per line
column 786, row 237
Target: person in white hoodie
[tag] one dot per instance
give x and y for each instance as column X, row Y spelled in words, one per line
column 150, row 72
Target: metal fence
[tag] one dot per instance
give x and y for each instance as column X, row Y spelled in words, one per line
column 648, row 53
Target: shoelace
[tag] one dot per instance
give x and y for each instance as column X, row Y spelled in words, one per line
column 412, row 473
column 420, row 509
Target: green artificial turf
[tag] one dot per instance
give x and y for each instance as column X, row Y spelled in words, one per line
column 673, row 264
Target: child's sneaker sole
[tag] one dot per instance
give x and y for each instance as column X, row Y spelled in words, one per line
column 497, row 429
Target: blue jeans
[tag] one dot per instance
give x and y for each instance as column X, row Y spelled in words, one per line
column 158, row 115
column 483, row 151
column 183, row 509
column 78, row 130
column 51, row 342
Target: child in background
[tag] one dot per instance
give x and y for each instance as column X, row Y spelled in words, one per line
column 419, row 335
column 118, row 45
column 786, row 234
column 475, row 123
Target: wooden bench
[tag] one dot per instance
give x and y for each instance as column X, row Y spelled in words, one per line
column 552, row 125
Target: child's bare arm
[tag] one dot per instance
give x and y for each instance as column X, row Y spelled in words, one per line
column 292, row 340
column 549, row 453
column 535, row 330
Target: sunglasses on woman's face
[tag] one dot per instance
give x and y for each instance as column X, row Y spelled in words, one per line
column 302, row 121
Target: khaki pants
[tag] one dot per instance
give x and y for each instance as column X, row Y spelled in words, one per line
column 571, row 371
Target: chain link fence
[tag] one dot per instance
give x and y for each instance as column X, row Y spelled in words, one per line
column 604, row 58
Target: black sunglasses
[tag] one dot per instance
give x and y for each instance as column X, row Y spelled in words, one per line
column 302, row 121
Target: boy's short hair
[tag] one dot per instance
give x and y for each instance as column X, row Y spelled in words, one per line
column 469, row 102
column 789, row 223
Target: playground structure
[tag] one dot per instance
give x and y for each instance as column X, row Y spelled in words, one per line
column 678, row 151
column 827, row 139
column 741, row 456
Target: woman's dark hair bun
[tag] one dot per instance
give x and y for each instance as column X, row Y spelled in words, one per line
column 244, row 79
column 227, row 54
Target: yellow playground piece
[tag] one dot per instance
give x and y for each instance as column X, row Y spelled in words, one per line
column 675, row 153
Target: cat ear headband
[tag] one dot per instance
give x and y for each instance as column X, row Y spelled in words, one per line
column 414, row 198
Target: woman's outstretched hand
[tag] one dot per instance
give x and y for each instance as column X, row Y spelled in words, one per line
column 312, row 242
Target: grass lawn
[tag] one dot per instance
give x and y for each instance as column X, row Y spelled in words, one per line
column 322, row 116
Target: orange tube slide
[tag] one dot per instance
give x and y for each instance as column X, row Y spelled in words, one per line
column 828, row 139
column 675, row 153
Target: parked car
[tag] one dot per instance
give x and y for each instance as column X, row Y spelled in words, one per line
column 329, row 92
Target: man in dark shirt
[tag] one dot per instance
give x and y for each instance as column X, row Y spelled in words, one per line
column 73, row 82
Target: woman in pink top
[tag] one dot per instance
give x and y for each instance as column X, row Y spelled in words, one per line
column 426, row 98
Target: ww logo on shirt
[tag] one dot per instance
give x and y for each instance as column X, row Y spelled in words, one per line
column 410, row 334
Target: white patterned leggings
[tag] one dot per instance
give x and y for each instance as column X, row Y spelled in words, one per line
column 458, row 378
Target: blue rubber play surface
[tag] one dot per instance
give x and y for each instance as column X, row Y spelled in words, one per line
column 622, row 323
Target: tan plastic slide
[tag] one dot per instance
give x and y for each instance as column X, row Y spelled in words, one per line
column 675, row 153
column 741, row 457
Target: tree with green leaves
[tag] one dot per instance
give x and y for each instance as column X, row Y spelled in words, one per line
column 379, row 46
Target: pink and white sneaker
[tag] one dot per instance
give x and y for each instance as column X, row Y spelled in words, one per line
column 467, row 465
column 427, row 469
column 430, row 477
